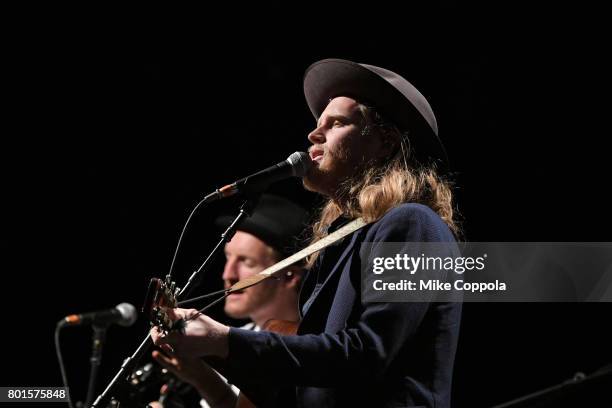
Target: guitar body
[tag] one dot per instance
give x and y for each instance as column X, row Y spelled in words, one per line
column 284, row 327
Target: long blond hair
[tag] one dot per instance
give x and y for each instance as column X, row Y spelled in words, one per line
column 379, row 188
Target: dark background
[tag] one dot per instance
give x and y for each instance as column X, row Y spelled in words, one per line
column 114, row 139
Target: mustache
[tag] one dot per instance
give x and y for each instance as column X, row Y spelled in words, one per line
column 316, row 147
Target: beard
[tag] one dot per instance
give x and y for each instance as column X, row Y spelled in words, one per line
column 317, row 181
column 327, row 176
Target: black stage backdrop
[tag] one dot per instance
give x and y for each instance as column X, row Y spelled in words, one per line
column 115, row 140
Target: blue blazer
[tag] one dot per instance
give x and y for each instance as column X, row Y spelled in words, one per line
column 348, row 353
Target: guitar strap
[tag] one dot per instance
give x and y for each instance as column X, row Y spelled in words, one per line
column 298, row 256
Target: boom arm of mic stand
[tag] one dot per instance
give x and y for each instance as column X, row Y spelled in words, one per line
column 245, row 211
column 129, row 364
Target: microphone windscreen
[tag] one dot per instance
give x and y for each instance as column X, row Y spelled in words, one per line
column 128, row 314
column 300, row 163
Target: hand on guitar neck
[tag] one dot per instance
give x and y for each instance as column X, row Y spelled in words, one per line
column 199, row 336
column 185, row 332
column 209, row 384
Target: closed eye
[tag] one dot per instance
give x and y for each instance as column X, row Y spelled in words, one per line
column 248, row 262
column 333, row 121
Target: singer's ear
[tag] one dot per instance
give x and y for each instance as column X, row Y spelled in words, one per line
column 391, row 142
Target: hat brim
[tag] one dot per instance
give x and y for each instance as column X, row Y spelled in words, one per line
column 330, row 78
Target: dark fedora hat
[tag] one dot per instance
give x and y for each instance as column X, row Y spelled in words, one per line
column 275, row 220
column 396, row 99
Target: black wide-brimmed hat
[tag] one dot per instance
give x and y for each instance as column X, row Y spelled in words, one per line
column 275, row 220
column 396, row 99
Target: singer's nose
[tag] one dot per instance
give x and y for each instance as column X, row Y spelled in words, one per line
column 316, row 136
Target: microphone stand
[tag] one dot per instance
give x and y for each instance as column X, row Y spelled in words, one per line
column 245, row 211
column 129, row 363
column 98, row 337
column 560, row 394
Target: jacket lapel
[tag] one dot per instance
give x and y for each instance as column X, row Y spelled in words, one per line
column 319, row 296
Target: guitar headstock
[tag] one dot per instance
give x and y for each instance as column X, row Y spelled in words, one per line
column 161, row 296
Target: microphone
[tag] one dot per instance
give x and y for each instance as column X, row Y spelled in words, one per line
column 296, row 165
column 124, row 314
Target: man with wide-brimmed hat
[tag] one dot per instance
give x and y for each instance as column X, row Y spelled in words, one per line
column 377, row 157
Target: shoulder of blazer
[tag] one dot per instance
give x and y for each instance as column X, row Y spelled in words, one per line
column 409, row 222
